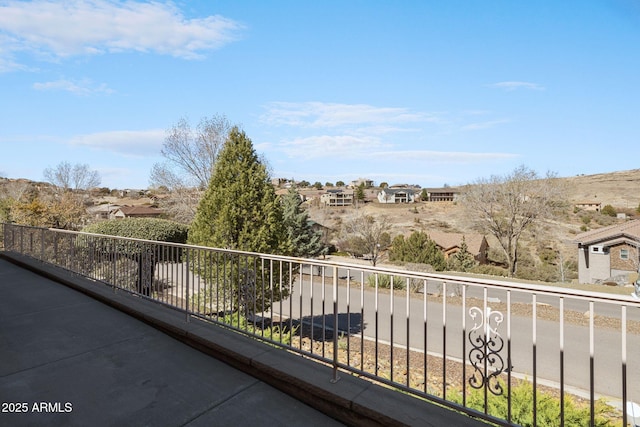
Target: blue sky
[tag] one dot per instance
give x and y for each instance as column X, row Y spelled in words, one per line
column 419, row 92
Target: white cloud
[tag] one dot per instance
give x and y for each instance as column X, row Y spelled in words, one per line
column 345, row 147
column 83, row 87
column 338, row 147
column 511, row 86
column 432, row 156
column 329, row 115
column 125, row 143
column 61, row 29
column 363, row 133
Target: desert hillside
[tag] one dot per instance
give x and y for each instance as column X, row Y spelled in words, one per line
column 619, row 189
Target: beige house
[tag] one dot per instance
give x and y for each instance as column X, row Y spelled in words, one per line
column 337, row 198
column 446, row 194
column 589, row 206
column 609, row 252
column 450, row 244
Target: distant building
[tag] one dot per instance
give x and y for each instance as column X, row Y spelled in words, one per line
column 101, row 212
column 135, row 212
column 589, row 206
column 450, row 244
column 337, row 198
column 360, row 181
column 446, row 194
column 608, row 252
column 396, row 195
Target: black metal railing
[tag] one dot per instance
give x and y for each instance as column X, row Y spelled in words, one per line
column 463, row 342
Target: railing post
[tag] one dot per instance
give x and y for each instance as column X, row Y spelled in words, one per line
column 335, row 326
column 115, row 265
column 42, row 244
column 186, row 296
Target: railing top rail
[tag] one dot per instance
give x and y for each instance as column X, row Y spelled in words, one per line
column 450, row 279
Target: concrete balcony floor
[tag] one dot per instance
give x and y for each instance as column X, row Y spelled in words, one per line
column 69, row 359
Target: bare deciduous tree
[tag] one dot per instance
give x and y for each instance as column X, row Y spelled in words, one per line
column 507, row 206
column 190, row 155
column 366, row 235
column 15, row 190
column 72, row 177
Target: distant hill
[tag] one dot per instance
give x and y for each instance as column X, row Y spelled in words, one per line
column 619, row 189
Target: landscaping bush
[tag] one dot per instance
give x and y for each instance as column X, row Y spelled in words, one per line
column 609, row 210
column 281, row 334
column 141, row 228
column 384, row 281
column 547, row 410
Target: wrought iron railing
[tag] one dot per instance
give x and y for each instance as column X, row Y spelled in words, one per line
column 450, row 339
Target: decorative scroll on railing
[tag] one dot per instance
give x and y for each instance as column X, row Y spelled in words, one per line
column 486, row 345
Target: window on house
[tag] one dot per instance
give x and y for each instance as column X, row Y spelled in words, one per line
column 624, row 253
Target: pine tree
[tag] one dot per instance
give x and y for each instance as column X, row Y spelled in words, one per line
column 360, row 193
column 240, row 211
column 462, row 260
column 305, row 241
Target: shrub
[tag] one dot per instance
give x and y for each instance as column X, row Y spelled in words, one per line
column 417, row 248
column 547, row 410
column 281, row 334
column 609, row 210
column 605, row 220
column 141, row 228
column 384, row 281
column 492, row 270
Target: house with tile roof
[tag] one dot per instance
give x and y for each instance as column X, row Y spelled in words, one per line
column 135, row 212
column 450, row 243
column 609, row 252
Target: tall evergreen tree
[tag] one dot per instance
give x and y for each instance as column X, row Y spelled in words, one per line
column 239, row 209
column 360, row 193
column 305, row 241
column 462, row 260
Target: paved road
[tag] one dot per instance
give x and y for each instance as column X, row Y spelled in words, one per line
column 607, row 354
column 607, row 348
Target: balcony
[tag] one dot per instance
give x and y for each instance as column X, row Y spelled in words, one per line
column 462, row 343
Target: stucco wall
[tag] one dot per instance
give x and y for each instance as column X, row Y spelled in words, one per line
column 593, row 266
